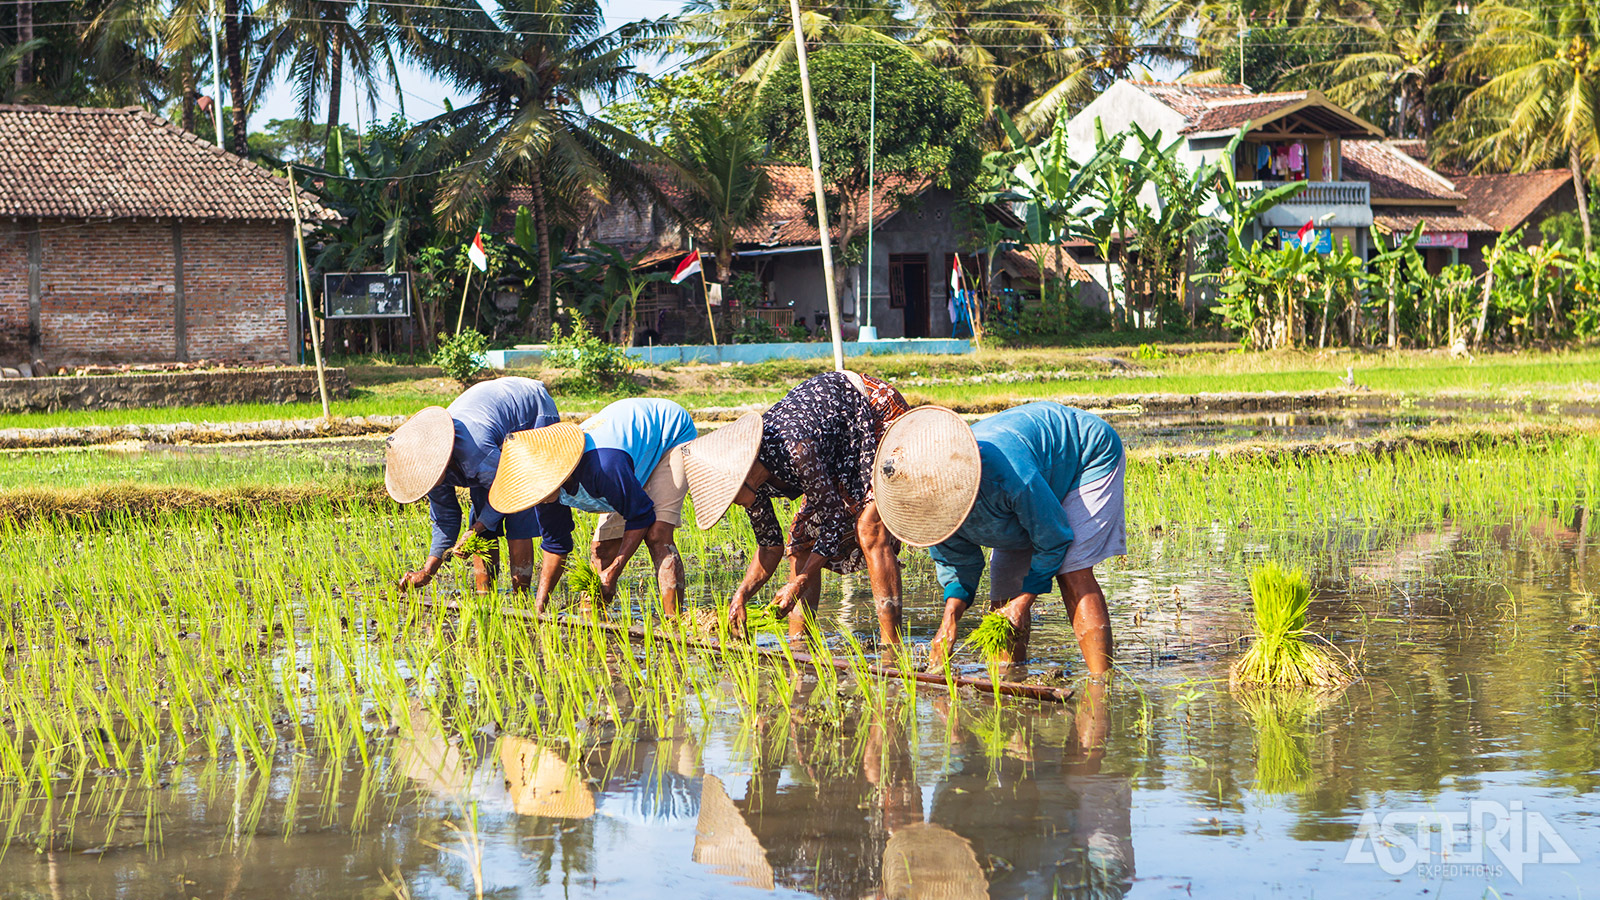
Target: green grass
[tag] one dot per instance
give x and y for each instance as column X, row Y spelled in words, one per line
column 275, row 465
column 391, row 390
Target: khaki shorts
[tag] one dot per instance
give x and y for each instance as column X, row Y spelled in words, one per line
column 1099, row 532
column 666, row 487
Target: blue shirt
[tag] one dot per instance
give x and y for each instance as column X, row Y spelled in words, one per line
column 643, row 429
column 484, row 415
column 603, row 482
column 1033, row 456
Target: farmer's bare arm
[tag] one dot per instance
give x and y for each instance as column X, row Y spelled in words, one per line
column 422, row 576
column 476, row 530
column 756, row 576
column 612, row 573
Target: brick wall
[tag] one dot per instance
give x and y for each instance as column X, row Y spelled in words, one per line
column 108, row 291
column 13, row 292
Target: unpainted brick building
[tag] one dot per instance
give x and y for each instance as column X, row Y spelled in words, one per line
column 124, row 238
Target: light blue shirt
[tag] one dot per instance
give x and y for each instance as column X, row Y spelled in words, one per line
column 484, row 416
column 642, row 428
column 1032, row 456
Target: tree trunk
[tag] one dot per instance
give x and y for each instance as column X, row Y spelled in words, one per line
column 335, row 88
column 233, row 29
column 186, row 82
column 1327, row 302
column 1483, row 309
column 539, row 324
column 1394, row 311
column 1579, row 189
column 24, row 73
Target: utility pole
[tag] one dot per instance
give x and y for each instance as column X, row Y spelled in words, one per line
column 872, row 190
column 823, row 238
column 216, row 76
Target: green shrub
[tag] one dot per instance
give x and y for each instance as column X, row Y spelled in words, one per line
column 461, row 357
column 598, row 364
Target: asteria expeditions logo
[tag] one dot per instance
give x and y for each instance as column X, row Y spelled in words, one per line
column 1487, row 839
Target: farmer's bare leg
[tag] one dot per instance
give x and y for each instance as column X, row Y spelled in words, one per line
column 520, row 552
column 668, row 564
column 883, row 569
column 1086, row 605
column 486, row 569
column 1019, row 610
column 810, row 590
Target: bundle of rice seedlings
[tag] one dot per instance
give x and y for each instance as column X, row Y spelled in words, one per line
column 583, row 580
column 478, row 545
column 993, row 637
column 1281, row 719
column 765, row 618
column 1281, row 654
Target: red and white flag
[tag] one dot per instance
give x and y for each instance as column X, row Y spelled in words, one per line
column 476, row 253
column 1305, row 231
column 689, row 266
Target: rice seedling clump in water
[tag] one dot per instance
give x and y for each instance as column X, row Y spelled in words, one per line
column 1281, row 655
column 993, row 637
column 765, row 618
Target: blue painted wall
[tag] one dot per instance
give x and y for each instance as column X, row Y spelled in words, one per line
column 753, row 353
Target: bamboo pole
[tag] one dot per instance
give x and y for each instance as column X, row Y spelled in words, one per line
column 461, row 314
column 872, row 188
column 823, row 237
column 921, row 679
column 311, row 316
column 705, row 291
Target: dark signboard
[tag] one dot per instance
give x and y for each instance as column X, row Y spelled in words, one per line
column 366, row 295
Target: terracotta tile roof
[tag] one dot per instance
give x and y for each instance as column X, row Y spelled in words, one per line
column 1436, row 218
column 1506, row 201
column 791, row 210
column 1221, row 108
column 1394, row 174
column 1022, row 265
column 93, row 163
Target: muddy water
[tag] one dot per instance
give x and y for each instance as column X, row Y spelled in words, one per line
column 1481, row 648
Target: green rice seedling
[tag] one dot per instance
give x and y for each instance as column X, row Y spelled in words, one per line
column 764, row 617
column 1282, row 721
column 583, row 580
column 993, row 637
column 1281, row 654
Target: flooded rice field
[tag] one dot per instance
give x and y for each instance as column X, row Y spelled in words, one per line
column 237, row 707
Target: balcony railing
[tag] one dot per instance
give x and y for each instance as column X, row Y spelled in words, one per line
column 1317, row 193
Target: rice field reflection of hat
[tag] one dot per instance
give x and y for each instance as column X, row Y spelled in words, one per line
column 723, row 841
column 924, row 861
column 533, row 464
column 925, row 476
column 716, row 465
column 541, row 783
column 414, row 457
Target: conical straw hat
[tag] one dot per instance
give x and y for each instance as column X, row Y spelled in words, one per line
column 541, row 783
column 923, row 860
column 724, row 842
column 925, row 477
column 533, row 464
column 414, row 456
column 717, row 465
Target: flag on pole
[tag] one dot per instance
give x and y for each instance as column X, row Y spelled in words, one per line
column 477, row 254
column 1306, row 237
column 689, row 266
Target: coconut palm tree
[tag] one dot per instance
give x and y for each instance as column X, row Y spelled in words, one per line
column 1539, row 67
column 1398, row 67
column 315, row 40
column 529, row 66
column 720, row 168
column 987, row 45
column 752, row 39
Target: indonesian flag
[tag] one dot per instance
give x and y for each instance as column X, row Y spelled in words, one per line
column 477, row 254
column 955, row 277
column 689, row 266
column 1301, row 236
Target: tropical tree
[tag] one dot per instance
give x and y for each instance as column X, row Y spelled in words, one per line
column 720, row 168
column 753, row 39
column 988, row 44
column 1539, row 64
column 529, row 65
column 926, row 129
column 1397, row 68
column 315, row 40
column 236, row 31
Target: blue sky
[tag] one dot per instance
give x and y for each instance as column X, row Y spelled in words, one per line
column 423, row 96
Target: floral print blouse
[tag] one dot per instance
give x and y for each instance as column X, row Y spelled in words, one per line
column 820, row 441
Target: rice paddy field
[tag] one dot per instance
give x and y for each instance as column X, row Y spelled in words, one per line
column 229, row 699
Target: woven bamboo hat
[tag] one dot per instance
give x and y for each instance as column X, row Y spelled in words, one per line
column 541, row 783
column 533, row 464
column 717, row 465
column 414, row 456
column 923, row 861
column 925, row 477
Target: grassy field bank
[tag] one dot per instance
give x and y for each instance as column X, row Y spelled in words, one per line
column 988, row 379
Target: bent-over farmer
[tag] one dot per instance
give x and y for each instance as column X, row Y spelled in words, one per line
column 626, row 465
column 440, row 449
column 1042, row 484
column 819, row 442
